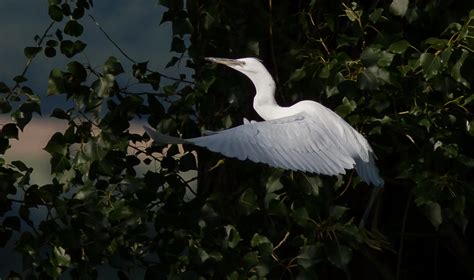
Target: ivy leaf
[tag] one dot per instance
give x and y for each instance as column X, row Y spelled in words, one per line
column 248, row 201
column 346, row 107
column 297, row 75
column 273, row 184
column 233, row 236
column 309, row 255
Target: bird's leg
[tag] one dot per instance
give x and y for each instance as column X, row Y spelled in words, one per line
column 372, row 198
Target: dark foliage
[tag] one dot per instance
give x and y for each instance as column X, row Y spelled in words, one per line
column 401, row 77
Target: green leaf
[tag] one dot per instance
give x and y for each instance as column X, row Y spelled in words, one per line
column 232, row 236
column 300, row 216
column 338, row 254
column 248, row 201
column 31, row 52
column 437, row 43
column 60, row 257
column 433, row 213
column 250, row 259
column 4, row 145
column 77, row 70
column 431, row 65
column 66, row 9
column 4, row 88
column 78, row 13
column 399, row 47
column 273, row 184
column 172, row 61
column 187, row 162
column 182, row 26
column 376, row 15
column 297, row 75
column 10, row 130
column 104, row 86
column 70, row 48
column 12, row 222
column 5, row 106
column 373, row 77
column 20, row 79
column 154, row 80
column 60, row 114
column 73, row 28
column 20, row 165
column 258, row 239
column 336, row 212
column 177, row 45
column 113, row 66
column 309, row 255
column 50, row 52
column 346, row 107
column 399, row 7
column 456, row 70
column 172, row 4
column 57, row 144
column 446, row 55
column 55, row 13
column 56, row 82
column 140, row 69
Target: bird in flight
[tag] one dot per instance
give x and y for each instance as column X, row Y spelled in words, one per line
column 303, row 137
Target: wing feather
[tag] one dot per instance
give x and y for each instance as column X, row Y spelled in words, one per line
column 303, row 142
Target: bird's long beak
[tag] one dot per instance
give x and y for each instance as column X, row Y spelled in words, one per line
column 225, row 61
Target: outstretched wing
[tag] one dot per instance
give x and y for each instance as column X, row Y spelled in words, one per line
column 296, row 143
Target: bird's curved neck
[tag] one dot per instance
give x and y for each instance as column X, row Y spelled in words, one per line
column 264, row 101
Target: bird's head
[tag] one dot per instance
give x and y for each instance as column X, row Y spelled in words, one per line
column 249, row 66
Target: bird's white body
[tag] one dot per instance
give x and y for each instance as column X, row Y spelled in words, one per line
column 305, row 136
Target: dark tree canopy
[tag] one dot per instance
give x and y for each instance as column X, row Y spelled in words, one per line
column 399, row 72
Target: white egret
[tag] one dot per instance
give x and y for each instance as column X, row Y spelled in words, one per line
column 305, row 136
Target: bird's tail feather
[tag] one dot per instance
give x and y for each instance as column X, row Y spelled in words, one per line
column 162, row 138
column 368, row 171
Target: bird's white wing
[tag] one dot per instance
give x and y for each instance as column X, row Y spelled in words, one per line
column 297, row 142
column 319, row 144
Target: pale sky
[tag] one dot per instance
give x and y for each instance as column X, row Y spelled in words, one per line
column 134, row 25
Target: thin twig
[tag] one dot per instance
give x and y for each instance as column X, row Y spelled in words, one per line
column 30, row 60
column 129, row 57
column 111, row 40
column 282, row 241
